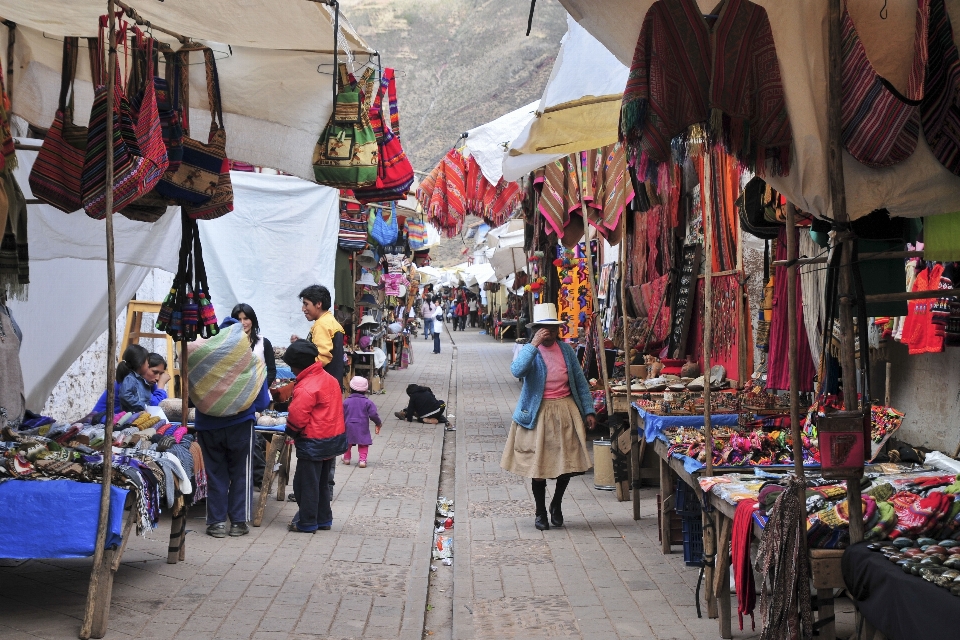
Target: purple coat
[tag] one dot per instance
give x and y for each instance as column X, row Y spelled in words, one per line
column 358, row 411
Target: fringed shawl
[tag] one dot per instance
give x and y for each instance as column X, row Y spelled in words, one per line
column 736, row 92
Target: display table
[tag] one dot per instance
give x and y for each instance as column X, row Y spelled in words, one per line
column 653, row 424
column 277, row 456
column 824, row 565
column 898, row 604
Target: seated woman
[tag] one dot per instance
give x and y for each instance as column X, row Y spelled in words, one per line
column 423, row 406
column 145, row 375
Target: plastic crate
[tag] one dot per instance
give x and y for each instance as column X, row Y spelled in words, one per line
column 693, row 540
column 685, row 498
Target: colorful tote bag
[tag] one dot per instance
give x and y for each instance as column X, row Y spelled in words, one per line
column 394, row 171
column 139, row 155
column 416, row 233
column 346, row 154
column 353, row 230
column 58, row 170
column 384, row 231
column 200, row 177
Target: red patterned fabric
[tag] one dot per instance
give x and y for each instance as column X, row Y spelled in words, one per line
column 736, row 93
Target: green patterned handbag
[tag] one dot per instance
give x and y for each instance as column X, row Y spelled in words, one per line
column 345, row 156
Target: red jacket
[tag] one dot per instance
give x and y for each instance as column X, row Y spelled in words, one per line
column 316, row 415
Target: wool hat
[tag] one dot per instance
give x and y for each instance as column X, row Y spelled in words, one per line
column 364, row 342
column 546, row 315
column 301, row 354
column 359, row 384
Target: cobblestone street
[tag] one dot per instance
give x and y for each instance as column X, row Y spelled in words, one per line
column 602, row 575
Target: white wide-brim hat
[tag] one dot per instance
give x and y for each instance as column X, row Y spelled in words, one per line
column 368, row 319
column 367, row 280
column 546, row 315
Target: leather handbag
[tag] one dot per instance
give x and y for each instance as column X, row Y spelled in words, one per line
column 199, row 179
column 394, row 171
column 346, row 154
column 58, row 170
column 139, row 155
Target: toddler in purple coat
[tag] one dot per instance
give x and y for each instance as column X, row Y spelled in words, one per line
column 358, row 412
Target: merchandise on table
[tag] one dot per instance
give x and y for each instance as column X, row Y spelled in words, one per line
column 732, row 448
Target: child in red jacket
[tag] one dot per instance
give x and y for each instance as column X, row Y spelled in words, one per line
column 316, row 423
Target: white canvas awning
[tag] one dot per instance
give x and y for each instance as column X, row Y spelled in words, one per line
column 580, row 107
column 487, row 142
column 919, row 186
column 269, row 56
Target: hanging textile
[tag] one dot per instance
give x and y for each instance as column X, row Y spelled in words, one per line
column 603, row 185
column 920, row 333
column 675, row 83
column 940, row 109
column 778, row 364
column 14, row 249
column 813, row 284
column 574, row 304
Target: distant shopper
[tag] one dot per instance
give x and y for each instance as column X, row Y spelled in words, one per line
column 437, row 326
column 358, row 412
column 428, row 311
column 547, row 437
column 315, row 422
column 326, row 333
column 461, row 312
column 473, row 307
column 154, row 376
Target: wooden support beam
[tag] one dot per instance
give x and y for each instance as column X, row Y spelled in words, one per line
column 882, row 255
column 912, row 295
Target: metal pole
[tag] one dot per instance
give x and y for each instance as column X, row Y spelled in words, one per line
column 96, row 575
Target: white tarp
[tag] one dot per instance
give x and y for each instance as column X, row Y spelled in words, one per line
column 280, row 238
column 580, row 107
column 248, row 254
column 509, row 234
column 487, row 142
column 919, row 186
column 275, row 101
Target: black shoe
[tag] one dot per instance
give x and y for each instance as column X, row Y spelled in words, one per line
column 291, row 497
column 217, row 530
column 238, row 529
column 556, row 516
column 541, row 522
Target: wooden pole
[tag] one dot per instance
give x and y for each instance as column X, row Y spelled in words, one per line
column 709, row 529
column 624, row 269
column 97, row 608
column 593, row 294
column 743, row 318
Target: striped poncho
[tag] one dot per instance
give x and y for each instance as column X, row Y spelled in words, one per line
column 725, row 78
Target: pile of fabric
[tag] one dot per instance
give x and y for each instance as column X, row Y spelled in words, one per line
column 457, row 188
column 156, row 478
column 748, row 449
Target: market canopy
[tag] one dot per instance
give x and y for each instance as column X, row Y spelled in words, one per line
column 487, row 142
column 276, row 101
column 580, row 107
column 918, row 186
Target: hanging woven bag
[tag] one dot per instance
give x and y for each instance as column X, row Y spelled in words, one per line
column 346, row 154
column 394, row 171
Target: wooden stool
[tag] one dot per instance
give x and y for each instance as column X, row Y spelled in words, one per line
column 133, row 332
column 363, row 366
column 277, row 466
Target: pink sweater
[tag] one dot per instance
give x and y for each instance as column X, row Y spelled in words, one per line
column 558, row 381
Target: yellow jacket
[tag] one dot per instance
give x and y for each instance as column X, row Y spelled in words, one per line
column 321, row 334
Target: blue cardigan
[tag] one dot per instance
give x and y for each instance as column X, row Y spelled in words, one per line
column 530, row 367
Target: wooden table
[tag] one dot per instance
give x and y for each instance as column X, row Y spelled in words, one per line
column 824, row 563
column 277, row 466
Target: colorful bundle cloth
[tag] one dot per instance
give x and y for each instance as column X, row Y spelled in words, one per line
column 740, row 539
column 880, row 126
column 916, row 515
column 225, row 375
column 726, row 76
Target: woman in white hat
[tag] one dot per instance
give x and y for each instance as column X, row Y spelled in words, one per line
column 547, row 438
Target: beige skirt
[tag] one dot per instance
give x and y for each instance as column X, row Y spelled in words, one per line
column 556, row 445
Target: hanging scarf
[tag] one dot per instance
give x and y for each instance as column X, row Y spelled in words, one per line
column 740, row 539
column 736, row 92
column 14, row 253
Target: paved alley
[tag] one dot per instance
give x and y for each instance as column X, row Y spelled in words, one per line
column 601, row 576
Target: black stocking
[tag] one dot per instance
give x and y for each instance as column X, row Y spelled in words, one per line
column 562, row 483
column 540, row 495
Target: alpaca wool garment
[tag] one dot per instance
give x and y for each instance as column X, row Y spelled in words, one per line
column 725, row 76
column 740, row 539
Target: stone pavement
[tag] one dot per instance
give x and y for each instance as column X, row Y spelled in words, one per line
column 602, row 575
column 366, row 578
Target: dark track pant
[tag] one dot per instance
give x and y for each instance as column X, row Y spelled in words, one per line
column 311, row 486
column 227, row 454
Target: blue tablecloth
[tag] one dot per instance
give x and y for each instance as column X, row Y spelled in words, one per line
column 653, row 425
column 55, row 518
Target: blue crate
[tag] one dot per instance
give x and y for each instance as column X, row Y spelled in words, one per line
column 686, row 501
column 693, row 540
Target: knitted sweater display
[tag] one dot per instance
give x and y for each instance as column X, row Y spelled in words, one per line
column 727, row 76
